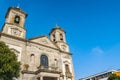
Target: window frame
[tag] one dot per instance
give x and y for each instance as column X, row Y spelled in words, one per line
column 44, row 61
column 17, row 22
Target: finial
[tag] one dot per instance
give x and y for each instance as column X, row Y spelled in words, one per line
column 56, row 26
column 18, row 6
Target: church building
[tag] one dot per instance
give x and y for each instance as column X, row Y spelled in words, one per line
column 42, row 57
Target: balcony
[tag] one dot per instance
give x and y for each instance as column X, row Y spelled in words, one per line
column 51, row 69
column 68, row 74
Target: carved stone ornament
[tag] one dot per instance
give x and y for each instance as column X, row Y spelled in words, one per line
column 25, row 67
column 16, row 32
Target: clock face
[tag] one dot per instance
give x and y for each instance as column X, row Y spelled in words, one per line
column 63, row 47
column 17, row 19
column 16, row 32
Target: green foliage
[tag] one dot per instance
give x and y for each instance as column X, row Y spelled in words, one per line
column 9, row 66
column 114, row 77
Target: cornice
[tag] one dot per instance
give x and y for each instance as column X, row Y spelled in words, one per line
column 14, row 37
column 49, row 47
column 37, row 37
column 57, row 28
column 21, row 39
column 15, row 25
column 38, row 71
column 17, row 9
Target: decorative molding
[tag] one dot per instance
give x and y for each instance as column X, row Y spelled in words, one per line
column 66, row 62
column 43, row 41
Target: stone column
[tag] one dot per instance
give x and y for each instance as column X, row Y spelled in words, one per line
column 58, row 78
column 41, row 78
column 61, row 78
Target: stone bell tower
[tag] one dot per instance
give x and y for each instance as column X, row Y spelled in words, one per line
column 14, row 24
column 57, row 35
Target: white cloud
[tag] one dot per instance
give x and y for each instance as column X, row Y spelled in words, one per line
column 97, row 50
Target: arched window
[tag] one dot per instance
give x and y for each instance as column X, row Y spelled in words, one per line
column 32, row 58
column 44, row 61
column 54, row 37
column 17, row 19
column 67, row 68
column 61, row 37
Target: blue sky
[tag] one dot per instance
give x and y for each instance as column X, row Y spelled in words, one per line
column 92, row 26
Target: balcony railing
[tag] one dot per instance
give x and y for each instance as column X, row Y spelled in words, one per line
column 68, row 74
column 48, row 69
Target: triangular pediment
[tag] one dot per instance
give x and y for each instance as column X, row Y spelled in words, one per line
column 44, row 40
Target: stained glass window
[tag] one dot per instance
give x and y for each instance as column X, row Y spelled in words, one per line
column 44, row 60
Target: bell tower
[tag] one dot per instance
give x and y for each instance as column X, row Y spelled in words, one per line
column 57, row 35
column 14, row 24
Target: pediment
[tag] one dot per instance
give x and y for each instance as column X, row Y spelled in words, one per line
column 44, row 40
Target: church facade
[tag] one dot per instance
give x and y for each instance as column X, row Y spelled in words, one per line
column 42, row 58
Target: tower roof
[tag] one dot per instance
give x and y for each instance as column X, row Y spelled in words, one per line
column 17, row 9
column 55, row 28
